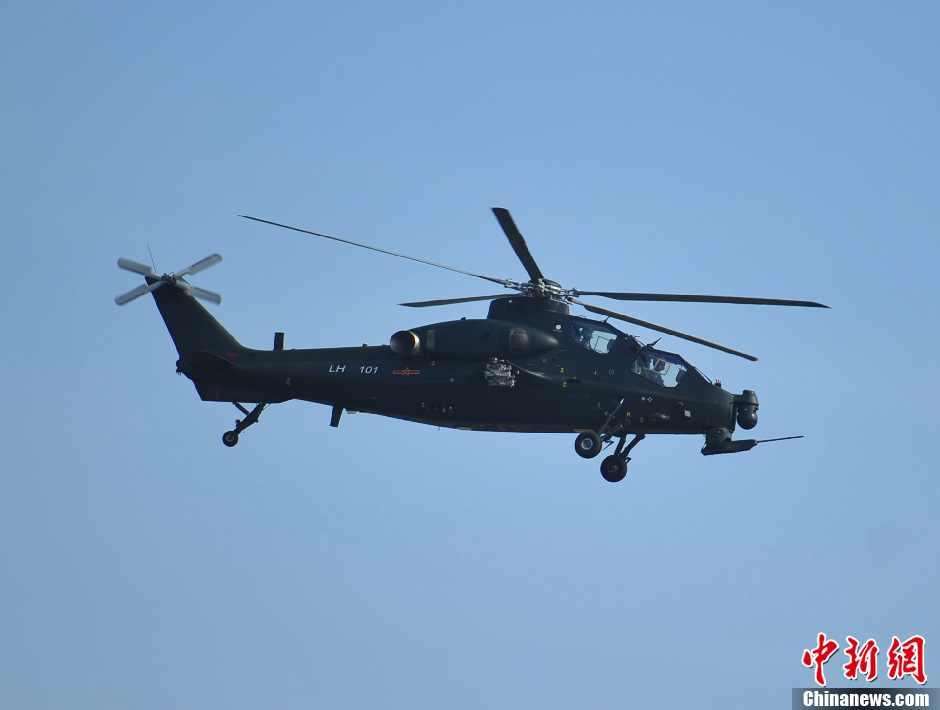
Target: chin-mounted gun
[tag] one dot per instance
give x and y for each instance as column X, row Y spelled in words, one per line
column 718, row 441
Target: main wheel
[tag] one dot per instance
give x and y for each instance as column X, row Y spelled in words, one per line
column 613, row 469
column 588, row 444
column 230, row 438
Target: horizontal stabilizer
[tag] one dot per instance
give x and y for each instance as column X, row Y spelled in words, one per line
column 214, row 392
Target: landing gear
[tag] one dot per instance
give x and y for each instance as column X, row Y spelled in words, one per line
column 588, row 444
column 230, row 438
column 614, row 467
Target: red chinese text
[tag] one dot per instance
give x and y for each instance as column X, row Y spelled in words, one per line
column 819, row 655
column 864, row 659
column 907, row 658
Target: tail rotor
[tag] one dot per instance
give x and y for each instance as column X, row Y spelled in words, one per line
column 155, row 281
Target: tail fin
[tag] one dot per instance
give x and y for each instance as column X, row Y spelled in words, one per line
column 192, row 327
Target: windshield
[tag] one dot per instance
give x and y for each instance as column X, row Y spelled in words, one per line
column 592, row 335
column 663, row 369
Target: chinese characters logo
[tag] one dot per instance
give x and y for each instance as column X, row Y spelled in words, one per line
column 905, row 658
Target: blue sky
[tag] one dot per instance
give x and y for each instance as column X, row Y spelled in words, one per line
column 732, row 148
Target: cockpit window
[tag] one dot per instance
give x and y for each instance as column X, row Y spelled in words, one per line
column 592, row 335
column 663, row 369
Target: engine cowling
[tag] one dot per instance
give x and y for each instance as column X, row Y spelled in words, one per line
column 472, row 339
column 405, row 342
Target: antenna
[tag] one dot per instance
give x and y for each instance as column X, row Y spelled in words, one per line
column 151, row 258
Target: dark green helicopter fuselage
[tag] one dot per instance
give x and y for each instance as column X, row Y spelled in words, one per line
column 529, row 366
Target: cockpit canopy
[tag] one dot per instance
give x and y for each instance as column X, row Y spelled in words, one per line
column 592, row 335
column 663, row 369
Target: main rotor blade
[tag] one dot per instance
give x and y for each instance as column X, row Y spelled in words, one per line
column 693, row 298
column 200, row 265
column 448, row 301
column 518, row 243
column 137, row 292
column 662, row 329
column 137, row 268
column 504, row 282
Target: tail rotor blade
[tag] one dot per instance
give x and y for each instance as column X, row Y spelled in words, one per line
column 202, row 293
column 205, row 295
column 174, row 280
column 136, row 293
column 200, row 265
column 137, row 268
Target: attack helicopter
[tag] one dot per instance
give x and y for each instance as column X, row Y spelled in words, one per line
column 529, row 366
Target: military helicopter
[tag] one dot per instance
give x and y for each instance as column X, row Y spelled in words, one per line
column 529, row 366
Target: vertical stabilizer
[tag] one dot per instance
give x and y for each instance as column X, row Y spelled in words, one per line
column 191, row 326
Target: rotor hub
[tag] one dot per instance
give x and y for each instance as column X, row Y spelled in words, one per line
column 173, row 278
column 545, row 288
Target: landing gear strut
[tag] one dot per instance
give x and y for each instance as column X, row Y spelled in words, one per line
column 230, row 438
column 589, row 444
column 614, row 467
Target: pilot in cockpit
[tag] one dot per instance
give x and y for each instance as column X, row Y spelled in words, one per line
column 582, row 335
column 659, row 369
column 652, row 368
